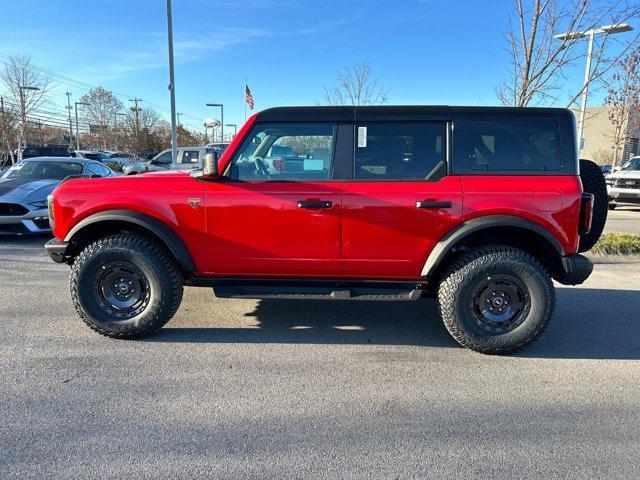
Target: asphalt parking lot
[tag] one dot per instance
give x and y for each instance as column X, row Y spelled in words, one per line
column 623, row 219
column 284, row 389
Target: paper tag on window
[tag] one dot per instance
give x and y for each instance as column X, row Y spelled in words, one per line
column 362, row 137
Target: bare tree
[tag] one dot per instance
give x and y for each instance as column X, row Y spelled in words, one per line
column 9, row 133
column 539, row 60
column 100, row 111
column 623, row 96
column 356, row 87
column 27, row 86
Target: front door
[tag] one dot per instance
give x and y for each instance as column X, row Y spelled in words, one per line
column 400, row 201
column 277, row 210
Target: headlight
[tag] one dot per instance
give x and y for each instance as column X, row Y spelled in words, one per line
column 40, row 204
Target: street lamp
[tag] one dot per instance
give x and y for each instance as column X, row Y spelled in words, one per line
column 608, row 29
column 23, row 115
column 235, row 128
column 172, row 86
column 77, row 134
column 221, row 117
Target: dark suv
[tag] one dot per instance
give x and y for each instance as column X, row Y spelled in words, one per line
column 478, row 207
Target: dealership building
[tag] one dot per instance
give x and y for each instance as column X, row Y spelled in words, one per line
column 599, row 136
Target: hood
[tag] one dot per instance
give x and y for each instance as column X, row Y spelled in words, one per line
column 137, row 166
column 625, row 174
column 25, row 190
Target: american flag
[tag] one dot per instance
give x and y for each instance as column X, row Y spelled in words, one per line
column 248, row 97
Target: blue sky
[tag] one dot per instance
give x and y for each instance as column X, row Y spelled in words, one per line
column 422, row 51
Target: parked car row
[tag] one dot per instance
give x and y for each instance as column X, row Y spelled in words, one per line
column 188, row 158
column 623, row 185
column 24, row 188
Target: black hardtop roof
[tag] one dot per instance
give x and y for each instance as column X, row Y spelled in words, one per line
column 396, row 112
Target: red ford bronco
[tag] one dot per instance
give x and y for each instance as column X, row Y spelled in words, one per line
column 478, row 207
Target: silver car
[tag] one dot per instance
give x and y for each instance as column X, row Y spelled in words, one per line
column 189, row 158
column 25, row 186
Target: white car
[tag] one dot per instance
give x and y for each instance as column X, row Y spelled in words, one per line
column 623, row 186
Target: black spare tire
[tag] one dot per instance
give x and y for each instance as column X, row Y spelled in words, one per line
column 593, row 182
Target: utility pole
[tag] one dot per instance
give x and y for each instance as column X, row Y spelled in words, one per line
column 172, row 86
column 136, row 110
column 68, row 107
column 178, row 118
column 77, row 133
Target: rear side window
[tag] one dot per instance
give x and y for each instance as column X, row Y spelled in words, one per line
column 190, row 156
column 514, row 145
column 399, row 151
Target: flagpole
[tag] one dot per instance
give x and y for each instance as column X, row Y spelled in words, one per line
column 244, row 97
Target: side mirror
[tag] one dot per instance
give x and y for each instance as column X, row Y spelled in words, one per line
column 210, row 165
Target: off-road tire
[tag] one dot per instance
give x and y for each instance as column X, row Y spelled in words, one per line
column 455, row 298
column 593, row 182
column 162, row 281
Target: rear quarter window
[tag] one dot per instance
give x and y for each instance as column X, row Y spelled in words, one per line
column 527, row 146
column 513, row 144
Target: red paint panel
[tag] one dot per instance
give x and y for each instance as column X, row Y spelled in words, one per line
column 257, row 228
column 532, row 197
column 385, row 235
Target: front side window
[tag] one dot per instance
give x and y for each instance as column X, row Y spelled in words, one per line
column 399, row 151
column 293, row 152
column 163, row 159
column 514, row 145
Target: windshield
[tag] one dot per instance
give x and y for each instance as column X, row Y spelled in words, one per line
column 633, row 164
column 43, row 170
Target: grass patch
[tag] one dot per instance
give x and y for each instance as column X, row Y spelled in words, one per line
column 617, row 244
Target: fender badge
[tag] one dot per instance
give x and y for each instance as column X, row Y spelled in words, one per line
column 194, row 202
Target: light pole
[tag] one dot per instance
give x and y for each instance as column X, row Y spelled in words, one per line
column 77, row 134
column 221, row 118
column 608, row 29
column 172, row 87
column 235, row 128
column 23, row 114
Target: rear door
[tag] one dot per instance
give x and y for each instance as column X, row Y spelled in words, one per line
column 274, row 214
column 400, row 200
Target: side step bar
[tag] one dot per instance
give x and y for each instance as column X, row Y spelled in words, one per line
column 316, row 292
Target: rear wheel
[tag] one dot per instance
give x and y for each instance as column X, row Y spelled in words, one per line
column 496, row 299
column 125, row 286
column 593, row 182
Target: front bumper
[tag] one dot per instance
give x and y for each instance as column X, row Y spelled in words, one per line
column 577, row 269
column 34, row 221
column 57, row 250
column 624, row 195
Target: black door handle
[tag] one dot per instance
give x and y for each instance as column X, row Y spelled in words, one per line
column 426, row 204
column 310, row 204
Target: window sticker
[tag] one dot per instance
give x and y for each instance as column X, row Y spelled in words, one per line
column 362, row 137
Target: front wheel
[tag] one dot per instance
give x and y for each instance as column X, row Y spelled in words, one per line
column 125, row 286
column 496, row 299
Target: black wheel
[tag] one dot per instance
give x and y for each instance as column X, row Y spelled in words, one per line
column 612, row 206
column 125, row 286
column 496, row 299
column 593, row 182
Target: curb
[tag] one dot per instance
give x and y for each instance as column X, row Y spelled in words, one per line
column 609, row 259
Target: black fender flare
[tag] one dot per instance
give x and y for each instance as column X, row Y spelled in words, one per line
column 454, row 236
column 160, row 229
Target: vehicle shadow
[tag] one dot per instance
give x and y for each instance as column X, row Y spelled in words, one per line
column 588, row 324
